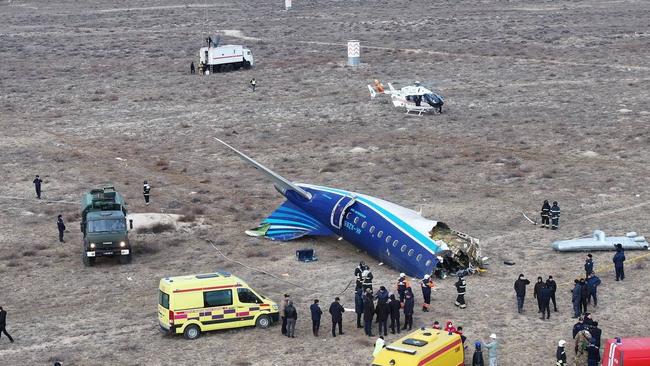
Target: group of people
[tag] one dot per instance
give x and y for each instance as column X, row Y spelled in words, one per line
column 550, row 215
column 543, row 292
column 585, row 289
column 289, row 316
column 587, row 342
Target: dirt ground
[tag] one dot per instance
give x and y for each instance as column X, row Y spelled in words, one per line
column 544, row 100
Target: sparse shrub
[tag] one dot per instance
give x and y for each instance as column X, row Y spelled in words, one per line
column 41, row 246
column 198, row 210
column 188, row 217
column 13, row 264
column 29, row 253
column 156, row 228
column 146, row 248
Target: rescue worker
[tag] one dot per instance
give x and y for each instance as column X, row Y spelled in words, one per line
column 550, row 283
column 37, row 186
column 359, row 270
column 477, row 359
column 383, row 311
column 61, row 227
column 460, row 290
column 253, row 83
column 368, row 313
column 394, row 306
column 402, row 285
column 544, row 298
column 560, row 354
column 536, row 289
column 593, row 353
column 584, row 295
column 546, row 213
column 577, row 327
column 146, row 190
column 492, row 350
column 409, row 305
column 379, row 345
column 589, row 265
column 426, row 284
column 596, row 333
column 592, row 284
column 619, row 259
column 358, row 306
column 3, row 324
column 576, row 299
column 555, row 216
column 336, row 311
column 316, row 313
column 583, row 338
column 283, row 305
column 367, row 279
column 520, row 291
column 291, row 315
column 192, row 69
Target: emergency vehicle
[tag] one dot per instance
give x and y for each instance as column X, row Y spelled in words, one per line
column 425, row 346
column 193, row 304
column 626, row 352
column 225, row 58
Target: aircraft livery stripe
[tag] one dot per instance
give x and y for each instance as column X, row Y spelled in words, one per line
column 283, row 216
column 289, row 222
column 287, row 210
column 416, row 235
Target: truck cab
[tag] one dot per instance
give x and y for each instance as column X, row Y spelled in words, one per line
column 104, row 227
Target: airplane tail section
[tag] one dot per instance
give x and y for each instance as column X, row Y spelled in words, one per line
column 280, row 182
column 289, row 222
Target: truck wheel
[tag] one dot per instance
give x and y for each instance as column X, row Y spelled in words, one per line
column 226, row 68
column 263, row 322
column 192, row 332
column 247, row 65
column 125, row 259
column 88, row 261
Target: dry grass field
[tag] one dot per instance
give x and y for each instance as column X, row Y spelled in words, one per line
column 545, row 100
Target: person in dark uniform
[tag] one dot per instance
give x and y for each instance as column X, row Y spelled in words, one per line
column 192, row 69
column 520, row 290
column 593, row 353
column 336, row 311
column 477, row 359
column 592, row 283
column 316, row 313
column 576, row 298
column 383, row 311
column 546, row 214
column 544, row 297
column 395, row 307
column 560, row 353
column 367, row 279
column 460, row 289
column 584, row 295
column 37, row 186
column 409, row 304
column 402, row 285
column 427, row 285
column 358, row 306
column 536, row 290
column 3, row 324
column 550, row 283
column 253, row 84
column 619, row 262
column 555, row 216
column 589, row 265
column 368, row 313
column 61, row 226
column 146, row 190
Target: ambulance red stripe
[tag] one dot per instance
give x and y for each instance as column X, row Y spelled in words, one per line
column 439, row 352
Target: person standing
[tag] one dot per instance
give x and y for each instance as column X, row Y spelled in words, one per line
column 367, row 279
column 460, row 290
column 368, row 313
column 593, row 353
column 619, row 259
column 402, row 285
column 544, row 298
column 589, row 265
column 382, row 295
column 555, row 216
column 37, row 186
column 583, row 339
column 536, row 290
column 520, row 291
column 426, row 284
column 316, row 313
column 584, row 295
column 545, row 213
column 380, row 343
column 253, row 84
column 291, row 315
column 358, row 306
column 192, row 69
column 394, row 307
column 283, row 305
column 477, row 359
column 146, row 190
column 3, row 324
column 383, row 311
column 592, row 284
column 409, row 305
column 359, row 270
column 550, row 283
column 336, row 311
column 576, row 298
column 61, row 227
column 492, row 350
column 596, row 333
column 560, row 354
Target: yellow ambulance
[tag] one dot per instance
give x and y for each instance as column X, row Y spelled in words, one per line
column 193, row 304
column 424, row 347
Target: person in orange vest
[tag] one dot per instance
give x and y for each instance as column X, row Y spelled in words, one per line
column 402, row 285
column 426, row 284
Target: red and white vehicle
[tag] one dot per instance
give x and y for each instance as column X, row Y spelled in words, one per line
column 225, row 58
column 626, row 352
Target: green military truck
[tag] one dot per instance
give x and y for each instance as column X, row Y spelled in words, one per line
column 103, row 224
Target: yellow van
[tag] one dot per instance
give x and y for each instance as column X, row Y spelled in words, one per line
column 198, row 303
column 425, row 346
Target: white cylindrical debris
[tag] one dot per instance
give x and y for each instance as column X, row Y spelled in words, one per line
column 354, row 53
column 287, row 4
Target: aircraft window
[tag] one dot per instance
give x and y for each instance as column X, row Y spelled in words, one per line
column 395, row 242
column 411, row 252
column 403, row 248
column 372, row 229
column 380, row 234
column 419, row 257
column 428, row 263
column 348, row 215
column 356, row 219
column 363, row 226
column 388, row 239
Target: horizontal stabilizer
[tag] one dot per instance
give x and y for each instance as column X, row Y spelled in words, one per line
column 289, row 222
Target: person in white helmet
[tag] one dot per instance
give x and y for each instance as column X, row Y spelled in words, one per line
column 402, row 285
column 426, row 284
column 560, row 354
column 492, row 350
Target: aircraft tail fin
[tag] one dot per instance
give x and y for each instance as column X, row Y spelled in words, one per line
column 280, row 182
column 289, row 222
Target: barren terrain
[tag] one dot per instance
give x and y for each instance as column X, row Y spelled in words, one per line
column 544, row 100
